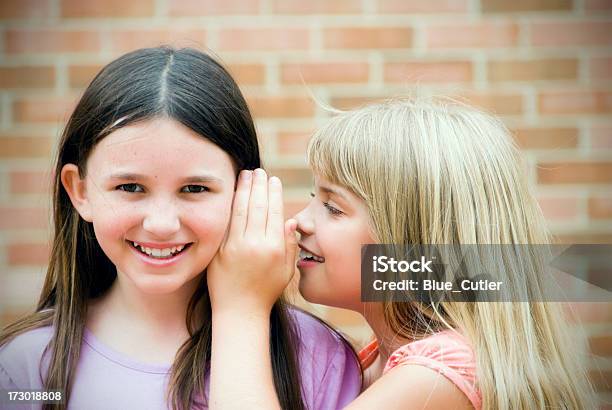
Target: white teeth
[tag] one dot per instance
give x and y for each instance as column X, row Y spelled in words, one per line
column 305, row 254
column 158, row 253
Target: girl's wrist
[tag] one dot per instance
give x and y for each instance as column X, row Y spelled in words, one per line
column 242, row 312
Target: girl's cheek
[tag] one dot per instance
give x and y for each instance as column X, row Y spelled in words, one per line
column 212, row 215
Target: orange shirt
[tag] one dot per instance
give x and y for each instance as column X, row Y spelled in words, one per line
column 446, row 352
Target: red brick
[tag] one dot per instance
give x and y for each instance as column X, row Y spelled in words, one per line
column 601, row 137
column 27, row 77
column 419, row 6
column 79, row 76
column 30, row 182
column 574, row 33
column 32, row 9
column 293, row 177
column 212, row 7
column 428, row 72
column 600, row 207
column 43, row 109
column 123, row 41
column 24, row 147
column 24, row 218
column 248, row 74
column 575, row 173
column 575, row 102
column 601, row 68
column 533, row 70
column 559, row 208
column 293, row 143
column 588, row 312
column 351, row 103
column 28, row 254
column 267, row 146
column 367, row 37
column 546, row 138
column 316, row 6
column 293, row 207
column 601, row 345
column 107, row 8
column 264, row 39
column 598, row 5
column 281, row 107
column 472, row 35
column 601, row 379
column 497, row 103
column 504, row 6
column 52, row 41
column 322, row 73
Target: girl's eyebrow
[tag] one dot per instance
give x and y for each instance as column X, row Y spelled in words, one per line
column 331, row 191
column 126, row 176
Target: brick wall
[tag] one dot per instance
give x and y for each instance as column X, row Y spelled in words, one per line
column 544, row 66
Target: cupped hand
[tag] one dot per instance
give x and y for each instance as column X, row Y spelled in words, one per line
column 256, row 259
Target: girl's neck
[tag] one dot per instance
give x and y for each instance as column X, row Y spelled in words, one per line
column 388, row 340
column 157, row 315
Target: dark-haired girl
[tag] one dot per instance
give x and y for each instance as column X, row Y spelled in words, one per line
column 144, row 182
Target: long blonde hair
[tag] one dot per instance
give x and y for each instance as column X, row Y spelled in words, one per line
column 436, row 171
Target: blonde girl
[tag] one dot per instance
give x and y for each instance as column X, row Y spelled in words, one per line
column 411, row 172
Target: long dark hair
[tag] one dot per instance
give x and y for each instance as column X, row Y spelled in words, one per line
column 190, row 87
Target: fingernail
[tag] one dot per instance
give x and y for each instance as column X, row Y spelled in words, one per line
column 260, row 172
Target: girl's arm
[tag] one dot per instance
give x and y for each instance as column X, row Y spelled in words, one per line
column 250, row 271
column 412, row 387
column 253, row 266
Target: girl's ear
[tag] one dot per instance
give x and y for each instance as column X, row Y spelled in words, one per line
column 76, row 189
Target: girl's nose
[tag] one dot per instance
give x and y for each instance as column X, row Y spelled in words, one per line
column 305, row 223
column 162, row 221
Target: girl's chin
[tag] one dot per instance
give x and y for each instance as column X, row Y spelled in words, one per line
column 155, row 285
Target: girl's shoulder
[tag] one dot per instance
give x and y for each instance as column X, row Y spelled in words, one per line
column 448, row 353
column 316, row 338
column 20, row 358
column 329, row 369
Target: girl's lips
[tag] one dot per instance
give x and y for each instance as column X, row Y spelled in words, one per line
column 306, row 263
column 149, row 260
column 160, row 245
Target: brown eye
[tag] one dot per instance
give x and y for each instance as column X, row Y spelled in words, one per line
column 134, row 188
column 195, row 189
column 331, row 209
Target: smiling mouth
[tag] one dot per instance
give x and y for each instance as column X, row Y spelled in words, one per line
column 307, row 256
column 156, row 253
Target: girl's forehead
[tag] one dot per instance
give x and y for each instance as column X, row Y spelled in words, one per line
column 326, row 185
column 154, row 132
column 159, row 146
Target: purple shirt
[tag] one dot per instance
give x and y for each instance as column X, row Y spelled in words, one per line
column 107, row 379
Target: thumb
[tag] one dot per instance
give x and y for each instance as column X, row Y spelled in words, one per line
column 290, row 245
